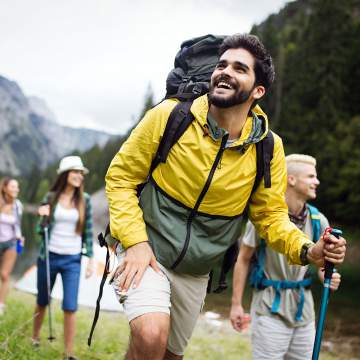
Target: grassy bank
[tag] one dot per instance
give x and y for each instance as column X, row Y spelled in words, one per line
column 110, row 339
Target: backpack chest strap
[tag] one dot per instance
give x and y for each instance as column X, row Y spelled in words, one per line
column 279, row 285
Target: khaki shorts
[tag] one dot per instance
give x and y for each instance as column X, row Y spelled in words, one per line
column 179, row 295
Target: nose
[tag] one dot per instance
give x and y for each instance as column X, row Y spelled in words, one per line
column 226, row 70
column 317, row 181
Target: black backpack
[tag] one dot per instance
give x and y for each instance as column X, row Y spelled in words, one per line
column 193, row 66
column 190, row 78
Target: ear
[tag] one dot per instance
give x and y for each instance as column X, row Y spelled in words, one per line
column 291, row 180
column 258, row 92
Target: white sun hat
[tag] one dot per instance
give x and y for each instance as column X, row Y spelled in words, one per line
column 71, row 163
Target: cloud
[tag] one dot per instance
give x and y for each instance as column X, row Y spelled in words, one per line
column 94, row 59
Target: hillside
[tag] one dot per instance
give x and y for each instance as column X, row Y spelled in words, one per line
column 30, row 135
column 315, row 101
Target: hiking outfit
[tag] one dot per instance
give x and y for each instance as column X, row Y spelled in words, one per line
column 10, row 228
column 65, row 250
column 283, row 318
column 182, row 295
column 191, row 207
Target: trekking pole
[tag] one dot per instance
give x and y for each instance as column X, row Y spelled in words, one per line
column 47, row 259
column 329, row 269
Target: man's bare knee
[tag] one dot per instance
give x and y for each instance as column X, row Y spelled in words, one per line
column 150, row 332
column 153, row 336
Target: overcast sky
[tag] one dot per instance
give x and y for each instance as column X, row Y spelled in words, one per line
column 92, row 61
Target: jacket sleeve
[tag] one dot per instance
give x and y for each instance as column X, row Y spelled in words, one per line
column 128, row 169
column 269, row 213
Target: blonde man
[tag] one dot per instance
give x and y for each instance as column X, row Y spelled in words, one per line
column 282, row 307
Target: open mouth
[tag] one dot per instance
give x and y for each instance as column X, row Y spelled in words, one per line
column 224, row 85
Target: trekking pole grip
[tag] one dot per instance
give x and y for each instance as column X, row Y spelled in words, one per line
column 329, row 266
column 45, row 222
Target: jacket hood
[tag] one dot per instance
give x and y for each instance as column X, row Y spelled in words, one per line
column 255, row 127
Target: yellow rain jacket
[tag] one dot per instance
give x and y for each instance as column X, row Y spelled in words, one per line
column 191, row 208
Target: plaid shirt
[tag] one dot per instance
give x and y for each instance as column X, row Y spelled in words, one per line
column 86, row 236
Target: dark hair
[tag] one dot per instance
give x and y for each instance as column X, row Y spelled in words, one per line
column 264, row 68
column 58, row 187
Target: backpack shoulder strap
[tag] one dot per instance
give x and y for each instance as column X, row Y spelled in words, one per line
column 257, row 274
column 315, row 221
column 264, row 155
column 179, row 120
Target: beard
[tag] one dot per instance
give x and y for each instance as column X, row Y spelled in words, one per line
column 239, row 97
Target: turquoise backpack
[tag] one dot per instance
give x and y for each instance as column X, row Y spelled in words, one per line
column 259, row 281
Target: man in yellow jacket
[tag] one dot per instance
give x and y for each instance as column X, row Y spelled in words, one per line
column 190, row 210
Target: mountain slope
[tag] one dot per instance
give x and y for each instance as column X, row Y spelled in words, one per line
column 30, row 137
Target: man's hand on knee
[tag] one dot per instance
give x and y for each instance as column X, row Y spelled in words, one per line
column 137, row 258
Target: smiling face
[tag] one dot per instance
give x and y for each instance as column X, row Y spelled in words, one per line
column 75, row 178
column 11, row 190
column 304, row 182
column 233, row 80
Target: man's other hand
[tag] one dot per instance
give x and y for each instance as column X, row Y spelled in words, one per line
column 328, row 248
column 239, row 319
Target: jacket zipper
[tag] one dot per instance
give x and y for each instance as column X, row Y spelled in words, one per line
column 199, row 200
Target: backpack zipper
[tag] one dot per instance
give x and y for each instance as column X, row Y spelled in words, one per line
column 199, row 200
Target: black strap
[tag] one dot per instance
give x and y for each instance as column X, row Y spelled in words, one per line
column 102, row 243
column 211, row 275
column 268, row 151
column 264, row 155
column 179, row 120
column 227, row 264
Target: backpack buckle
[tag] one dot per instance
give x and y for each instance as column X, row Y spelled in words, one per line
column 198, row 89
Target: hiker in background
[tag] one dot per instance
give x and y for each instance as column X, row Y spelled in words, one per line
column 189, row 211
column 282, row 308
column 68, row 209
column 10, row 233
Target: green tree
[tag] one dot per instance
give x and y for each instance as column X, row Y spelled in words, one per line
column 315, row 103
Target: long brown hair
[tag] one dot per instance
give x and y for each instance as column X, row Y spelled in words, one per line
column 3, row 184
column 78, row 198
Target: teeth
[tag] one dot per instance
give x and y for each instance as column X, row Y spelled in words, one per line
column 224, row 84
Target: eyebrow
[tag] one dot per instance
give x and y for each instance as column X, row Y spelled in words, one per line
column 238, row 63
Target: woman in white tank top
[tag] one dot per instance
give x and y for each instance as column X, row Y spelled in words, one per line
column 10, row 232
column 68, row 210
